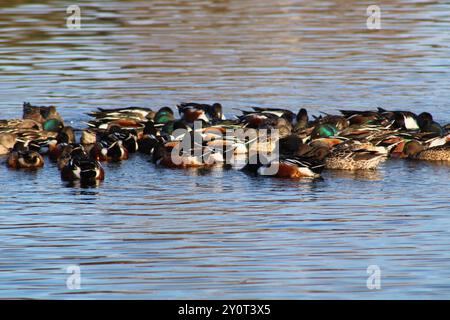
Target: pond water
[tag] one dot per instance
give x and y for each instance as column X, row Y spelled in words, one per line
column 155, row 233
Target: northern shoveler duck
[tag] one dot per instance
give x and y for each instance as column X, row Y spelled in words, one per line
column 288, row 115
column 292, row 145
column 21, row 157
column 192, row 111
column 127, row 136
column 368, row 132
column 172, row 155
column 354, row 156
column 131, row 118
column 83, row 169
column 405, row 120
column 55, row 146
column 191, row 151
column 269, row 118
column 428, row 125
column 150, row 138
column 132, row 113
column 106, row 124
column 70, row 151
column 286, row 167
column 358, row 118
column 416, row 150
column 327, row 142
column 110, row 149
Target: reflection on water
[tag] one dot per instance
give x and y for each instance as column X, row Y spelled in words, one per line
column 358, row 175
column 149, row 232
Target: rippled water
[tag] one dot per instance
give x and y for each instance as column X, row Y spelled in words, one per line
column 150, row 232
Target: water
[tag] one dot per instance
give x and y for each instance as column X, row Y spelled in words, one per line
column 151, row 232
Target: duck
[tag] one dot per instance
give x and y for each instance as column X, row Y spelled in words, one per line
column 189, row 151
column 404, row 120
column 329, row 143
column 257, row 120
column 105, row 124
column 368, row 132
column 353, row 155
column 82, row 168
column 210, row 113
column 57, row 145
column 70, row 151
column 191, row 112
column 172, row 155
column 286, row 114
column 149, row 138
column 294, row 167
column 269, row 118
column 64, row 137
column 21, row 157
column 128, row 118
column 133, row 113
column 416, row 150
column 109, row 150
column 360, row 118
column 128, row 137
column 292, row 145
column 428, row 125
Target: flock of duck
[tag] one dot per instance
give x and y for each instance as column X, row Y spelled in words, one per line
column 304, row 146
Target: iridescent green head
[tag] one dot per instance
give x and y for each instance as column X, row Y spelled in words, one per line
column 53, row 125
column 164, row 115
column 324, row 131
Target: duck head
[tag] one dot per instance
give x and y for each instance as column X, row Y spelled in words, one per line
column 216, row 112
column 164, row 115
column 302, row 119
column 324, row 131
column 53, row 125
column 412, row 148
